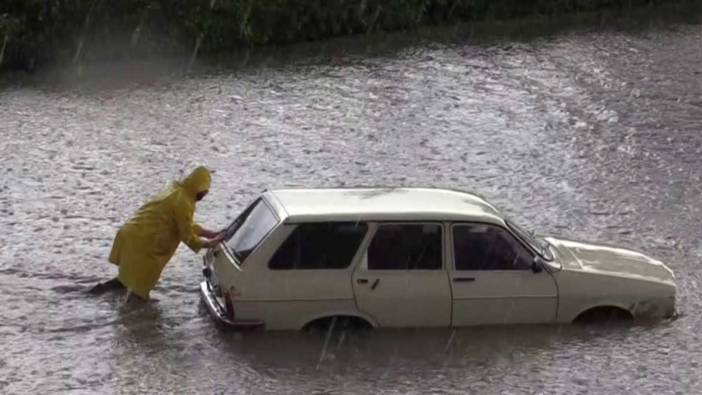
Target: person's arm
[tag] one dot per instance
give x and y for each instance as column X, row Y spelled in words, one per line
column 214, row 241
column 187, row 231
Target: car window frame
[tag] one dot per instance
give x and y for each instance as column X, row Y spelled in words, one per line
column 378, row 224
column 452, row 245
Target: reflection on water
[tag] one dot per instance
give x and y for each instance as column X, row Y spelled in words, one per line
column 590, row 136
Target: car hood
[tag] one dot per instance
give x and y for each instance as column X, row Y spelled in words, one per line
column 608, row 260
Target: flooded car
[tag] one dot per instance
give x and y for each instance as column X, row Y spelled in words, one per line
column 416, row 257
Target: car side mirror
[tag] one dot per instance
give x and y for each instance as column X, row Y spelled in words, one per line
column 537, row 265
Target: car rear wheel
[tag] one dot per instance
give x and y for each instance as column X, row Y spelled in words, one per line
column 604, row 314
column 339, row 322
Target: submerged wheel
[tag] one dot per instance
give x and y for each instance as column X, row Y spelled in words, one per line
column 604, row 314
column 342, row 323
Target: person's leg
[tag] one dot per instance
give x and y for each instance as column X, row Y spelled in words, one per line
column 112, row 285
column 132, row 298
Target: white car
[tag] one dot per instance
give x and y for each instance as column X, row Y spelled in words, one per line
column 415, row 257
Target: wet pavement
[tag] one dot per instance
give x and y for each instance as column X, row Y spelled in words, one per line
column 587, row 135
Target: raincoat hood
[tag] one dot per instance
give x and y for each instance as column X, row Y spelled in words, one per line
column 198, row 181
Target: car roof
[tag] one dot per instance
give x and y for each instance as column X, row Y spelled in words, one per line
column 380, row 204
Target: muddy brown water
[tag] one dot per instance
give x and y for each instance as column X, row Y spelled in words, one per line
column 588, row 135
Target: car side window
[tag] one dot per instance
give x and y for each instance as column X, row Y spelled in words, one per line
column 406, row 247
column 329, row 245
column 488, row 247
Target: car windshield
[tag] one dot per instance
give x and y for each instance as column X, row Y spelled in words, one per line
column 538, row 244
column 249, row 229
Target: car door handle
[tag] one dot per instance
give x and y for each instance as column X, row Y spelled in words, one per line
column 463, row 279
column 362, row 281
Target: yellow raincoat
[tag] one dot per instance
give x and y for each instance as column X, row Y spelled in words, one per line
column 148, row 240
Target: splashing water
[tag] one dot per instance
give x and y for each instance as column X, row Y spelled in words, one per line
column 330, row 330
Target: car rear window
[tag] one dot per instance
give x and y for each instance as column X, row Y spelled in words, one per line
column 252, row 226
column 319, row 246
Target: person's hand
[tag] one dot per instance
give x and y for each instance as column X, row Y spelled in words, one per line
column 208, row 233
column 213, row 242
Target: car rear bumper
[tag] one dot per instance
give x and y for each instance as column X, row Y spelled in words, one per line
column 219, row 313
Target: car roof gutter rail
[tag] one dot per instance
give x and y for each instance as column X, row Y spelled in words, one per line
column 275, row 204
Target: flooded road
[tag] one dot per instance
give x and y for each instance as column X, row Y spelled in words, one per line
column 594, row 136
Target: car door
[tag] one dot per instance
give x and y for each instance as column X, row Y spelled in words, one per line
column 401, row 280
column 492, row 279
column 303, row 275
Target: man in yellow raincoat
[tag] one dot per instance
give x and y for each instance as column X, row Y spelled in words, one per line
column 145, row 244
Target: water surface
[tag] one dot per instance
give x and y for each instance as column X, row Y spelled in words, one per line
column 586, row 135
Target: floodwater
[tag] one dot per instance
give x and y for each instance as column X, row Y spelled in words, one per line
column 588, row 135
